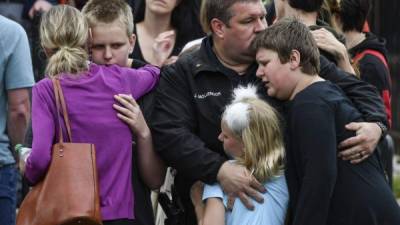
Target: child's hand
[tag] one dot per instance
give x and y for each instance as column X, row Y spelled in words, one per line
column 131, row 114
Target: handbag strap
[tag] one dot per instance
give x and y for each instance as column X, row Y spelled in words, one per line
column 59, row 96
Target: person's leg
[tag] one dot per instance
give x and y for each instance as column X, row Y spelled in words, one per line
column 8, row 194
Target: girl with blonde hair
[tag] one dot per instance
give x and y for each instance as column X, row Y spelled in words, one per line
column 90, row 92
column 251, row 135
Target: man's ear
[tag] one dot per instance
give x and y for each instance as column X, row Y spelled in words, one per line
column 218, row 27
column 294, row 59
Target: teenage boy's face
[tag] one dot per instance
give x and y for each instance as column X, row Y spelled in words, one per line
column 110, row 44
column 275, row 75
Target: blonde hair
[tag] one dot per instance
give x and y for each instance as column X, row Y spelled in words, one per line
column 100, row 11
column 64, row 33
column 256, row 124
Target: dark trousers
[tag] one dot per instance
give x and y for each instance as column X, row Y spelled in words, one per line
column 8, row 194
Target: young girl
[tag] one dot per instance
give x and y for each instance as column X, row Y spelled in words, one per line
column 250, row 134
column 90, row 91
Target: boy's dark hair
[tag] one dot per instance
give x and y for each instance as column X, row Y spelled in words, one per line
column 219, row 9
column 353, row 14
column 286, row 35
column 306, row 5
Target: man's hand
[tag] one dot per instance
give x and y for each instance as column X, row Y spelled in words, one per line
column 237, row 181
column 358, row 148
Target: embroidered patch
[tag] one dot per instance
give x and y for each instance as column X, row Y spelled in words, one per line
column 208, row 94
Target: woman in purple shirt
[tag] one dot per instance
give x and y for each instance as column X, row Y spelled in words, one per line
column 90, row 92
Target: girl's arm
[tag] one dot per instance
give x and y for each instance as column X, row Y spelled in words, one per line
column 152, row 168
column 43, row 129
column 213, row 211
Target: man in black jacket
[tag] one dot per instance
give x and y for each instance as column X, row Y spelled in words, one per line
column 193, row 92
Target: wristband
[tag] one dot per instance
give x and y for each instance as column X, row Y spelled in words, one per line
column 383, row 127
column 18, row 147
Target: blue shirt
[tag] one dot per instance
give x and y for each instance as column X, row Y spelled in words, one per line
column 15, row 72
column 271, row 212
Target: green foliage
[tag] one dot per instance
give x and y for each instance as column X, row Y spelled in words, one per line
column 396, row 186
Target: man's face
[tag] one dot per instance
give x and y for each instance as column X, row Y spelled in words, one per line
column 275, row 75
column 248, row 20
column 110, row 44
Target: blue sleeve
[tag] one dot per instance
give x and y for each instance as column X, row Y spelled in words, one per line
column 18, row 71
column 214, row 191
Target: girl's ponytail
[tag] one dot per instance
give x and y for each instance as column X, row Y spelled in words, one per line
column 67, row 60
column 64, row 34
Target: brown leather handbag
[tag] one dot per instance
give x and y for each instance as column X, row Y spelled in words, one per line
column 68, row 195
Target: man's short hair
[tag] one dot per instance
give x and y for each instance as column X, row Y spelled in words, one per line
column 100, row 11
column 353, row 14
column 306, row 5
column 219, row 9
column 286, row 35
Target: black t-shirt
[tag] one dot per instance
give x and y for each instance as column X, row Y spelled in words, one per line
column 323, row 188
column 143, row 206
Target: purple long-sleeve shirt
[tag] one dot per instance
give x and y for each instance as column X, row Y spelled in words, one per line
column 89, row 99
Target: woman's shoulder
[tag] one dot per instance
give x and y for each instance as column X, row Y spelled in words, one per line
column 44, row 84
